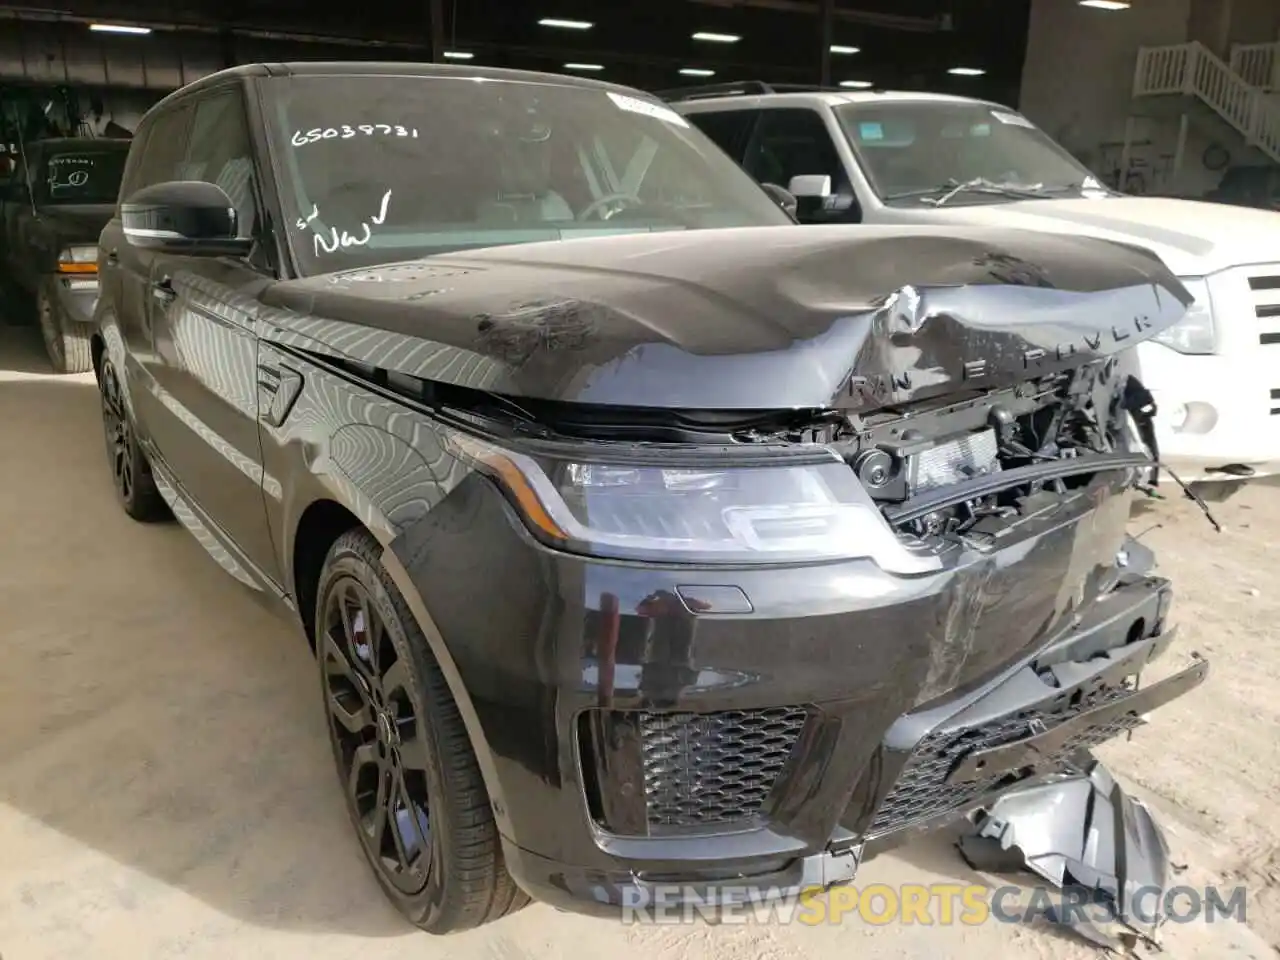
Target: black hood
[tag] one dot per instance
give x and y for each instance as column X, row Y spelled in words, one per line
column 756, row 318
column 79, row 222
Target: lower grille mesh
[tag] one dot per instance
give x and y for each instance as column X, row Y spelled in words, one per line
column 921, row 790
column 703, row 769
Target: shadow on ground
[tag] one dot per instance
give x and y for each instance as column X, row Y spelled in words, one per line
column 935, row 854
column 22, row 351
column 154, row 714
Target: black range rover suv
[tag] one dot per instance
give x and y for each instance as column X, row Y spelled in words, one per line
column 642, row 535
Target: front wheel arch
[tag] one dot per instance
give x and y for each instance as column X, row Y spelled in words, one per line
column 319, row 526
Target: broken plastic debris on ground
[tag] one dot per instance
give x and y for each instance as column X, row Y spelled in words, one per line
column 1082, row 833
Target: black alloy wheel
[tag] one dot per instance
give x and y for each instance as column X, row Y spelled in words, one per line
column 409, row 775
column 131, row 476
column 377, row 736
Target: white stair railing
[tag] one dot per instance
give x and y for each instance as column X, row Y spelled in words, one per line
column 1258, row 63
column 1161, row 70
column 1192, row 69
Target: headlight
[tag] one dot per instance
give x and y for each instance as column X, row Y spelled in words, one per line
column 1194, row 333
column 642, row 508
column 80, row 259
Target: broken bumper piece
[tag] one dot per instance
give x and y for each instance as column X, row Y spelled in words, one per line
column 1078, row 692
column 1046, row 744
column 1084, row 834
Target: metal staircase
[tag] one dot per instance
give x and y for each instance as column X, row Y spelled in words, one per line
column 1193, row 70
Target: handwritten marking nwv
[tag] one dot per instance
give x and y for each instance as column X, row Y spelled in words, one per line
column 335, row 240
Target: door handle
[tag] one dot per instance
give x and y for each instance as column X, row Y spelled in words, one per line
column 113, row 257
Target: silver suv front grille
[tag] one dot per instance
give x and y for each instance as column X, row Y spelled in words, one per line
column 1265, row 290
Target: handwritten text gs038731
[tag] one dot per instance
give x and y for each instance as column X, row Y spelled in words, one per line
column 345, row 131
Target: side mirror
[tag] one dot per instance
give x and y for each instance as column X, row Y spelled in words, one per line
column 810, row 186
column 185, row 217
column 783, row 198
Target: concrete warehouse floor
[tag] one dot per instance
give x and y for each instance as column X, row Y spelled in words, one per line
column 166, row 789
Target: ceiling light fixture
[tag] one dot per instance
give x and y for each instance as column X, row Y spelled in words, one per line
column 966, row 72
column 697, row 72
column 1106, row 4
column 458, row 55
column 119, row 28
column 565, row 24
column 717, row 37
column 857, row 84
column 583, row 66
column 841, row 48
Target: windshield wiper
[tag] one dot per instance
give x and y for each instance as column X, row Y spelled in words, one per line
column 1090, row 185
column 940, row 194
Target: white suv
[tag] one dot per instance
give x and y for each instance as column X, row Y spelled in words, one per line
column 881, row 157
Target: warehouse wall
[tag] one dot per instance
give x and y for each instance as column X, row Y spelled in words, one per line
column 46, row 53
column 1078, row 80
column 1254, row 21
column 123, row 107
column 127, row 74
column 68, row 53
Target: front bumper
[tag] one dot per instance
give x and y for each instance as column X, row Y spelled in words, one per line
column 73, row 297
column 801, row 720
column 1009, row 734
column 1217, row 411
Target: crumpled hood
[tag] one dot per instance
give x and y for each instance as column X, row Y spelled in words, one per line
column 77, row 223
column 742, row 319
column 1193, row 238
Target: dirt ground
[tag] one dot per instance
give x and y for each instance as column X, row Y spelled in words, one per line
column 166, row 789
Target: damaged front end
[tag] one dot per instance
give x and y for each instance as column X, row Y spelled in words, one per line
column 836, row 527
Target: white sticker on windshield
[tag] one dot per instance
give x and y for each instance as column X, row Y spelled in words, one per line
column 647, row 108
column 1013, row 119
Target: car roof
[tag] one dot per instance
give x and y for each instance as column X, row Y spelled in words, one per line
column 830, row 98
column 364, row 68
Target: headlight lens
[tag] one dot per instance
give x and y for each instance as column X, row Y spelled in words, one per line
column 811, row 510
column 78, row 259
column 1194, row 333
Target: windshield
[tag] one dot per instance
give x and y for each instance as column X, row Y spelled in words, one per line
column 909, row 149
column 82, row 176
column 375, row 169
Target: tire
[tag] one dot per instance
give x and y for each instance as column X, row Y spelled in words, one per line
column 400, row 745
column 131, row 475
column 65, row 341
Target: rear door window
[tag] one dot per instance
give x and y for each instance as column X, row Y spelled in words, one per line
column 730, row 129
